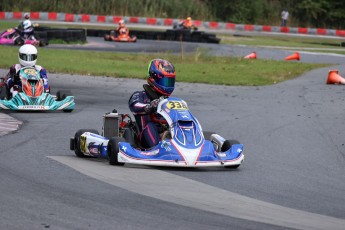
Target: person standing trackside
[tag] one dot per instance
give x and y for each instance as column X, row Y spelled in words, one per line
column 284, row 17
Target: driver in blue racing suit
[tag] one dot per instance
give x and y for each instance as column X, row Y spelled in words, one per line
column 143, row 104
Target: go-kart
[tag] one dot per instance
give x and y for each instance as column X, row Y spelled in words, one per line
column 122, row 37
column 182, row 143
column 181, row 26
column 31, row 95
column 13, row 36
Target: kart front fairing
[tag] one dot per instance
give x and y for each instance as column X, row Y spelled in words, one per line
column 187, row 146
column 45, row 101
column 7, row 37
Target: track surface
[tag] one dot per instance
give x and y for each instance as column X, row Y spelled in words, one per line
column 293, row 175
column 151, row 46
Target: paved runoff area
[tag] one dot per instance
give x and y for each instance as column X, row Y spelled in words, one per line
column 8, row 124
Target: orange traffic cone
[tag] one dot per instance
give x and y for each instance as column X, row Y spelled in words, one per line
column 335, row 78
column 251, row 56
column 294, row 56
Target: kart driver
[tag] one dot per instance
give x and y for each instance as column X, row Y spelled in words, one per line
column 27, row 58
column 187, row 24
column 27, row 28
column 143, row 104
column 122, row 29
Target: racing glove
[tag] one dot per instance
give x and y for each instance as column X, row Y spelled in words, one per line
column 150, row 108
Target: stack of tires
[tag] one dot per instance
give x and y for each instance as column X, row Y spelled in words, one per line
column 67, row 35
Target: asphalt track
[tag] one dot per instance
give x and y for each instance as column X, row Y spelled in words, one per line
column 292, row 178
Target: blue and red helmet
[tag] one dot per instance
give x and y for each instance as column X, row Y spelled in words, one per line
column 161, row 76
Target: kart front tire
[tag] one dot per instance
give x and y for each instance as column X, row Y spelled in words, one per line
column 228, row 144
column 77, row 136
column 62, row 94
column 113, row 150
column 232, row 166
column 225, row 147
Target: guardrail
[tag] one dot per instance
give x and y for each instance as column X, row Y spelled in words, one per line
column 66, row 17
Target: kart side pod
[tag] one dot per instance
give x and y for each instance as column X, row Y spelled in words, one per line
column 111, row 124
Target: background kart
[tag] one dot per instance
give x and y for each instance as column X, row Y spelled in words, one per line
column 32, row 96
column 182, row 144
column 13, row 36
column 113, row 36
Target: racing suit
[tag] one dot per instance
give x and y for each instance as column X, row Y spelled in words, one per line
column 122, row 30
column 13, row 77
column 27, row 30
column 148, row 129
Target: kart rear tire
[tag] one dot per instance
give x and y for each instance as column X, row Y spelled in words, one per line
column 43, row 43
column 77, row 136
column 129, row 137
column 62, row 94
column 3, row 92
column 113, row 150
column 19, row 41
column 107, row 37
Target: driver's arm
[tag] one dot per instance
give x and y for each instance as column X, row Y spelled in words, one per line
column 11, row 72
column 137, row 105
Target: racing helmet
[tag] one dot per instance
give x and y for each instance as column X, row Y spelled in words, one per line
column 27, row 55
column 161, row 76
column 27, row 16
column 121, row 23
column 189, row 18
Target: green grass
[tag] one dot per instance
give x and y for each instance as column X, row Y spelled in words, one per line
column 284, row 41
column 198, row 67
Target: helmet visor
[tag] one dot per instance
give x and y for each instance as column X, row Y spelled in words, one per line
column 166, row 81
column 28, row 57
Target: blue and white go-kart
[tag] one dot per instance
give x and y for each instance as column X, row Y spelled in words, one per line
column 182, row 144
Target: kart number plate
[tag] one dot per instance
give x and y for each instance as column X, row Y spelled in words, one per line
column 39, row 107
column 177, row 105
column 30, row 71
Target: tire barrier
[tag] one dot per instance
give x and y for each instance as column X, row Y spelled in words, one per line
column 171, row 35
column 88, row 18
column 68, row 35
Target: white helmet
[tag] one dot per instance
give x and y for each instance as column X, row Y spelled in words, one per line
column 27, row 55
column 27, row 16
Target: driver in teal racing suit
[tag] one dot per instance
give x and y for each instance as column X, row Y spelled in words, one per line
column 143, row 104
column 27, row 58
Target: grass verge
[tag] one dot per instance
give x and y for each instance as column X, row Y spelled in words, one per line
column 198, row 67
column 285, row 41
